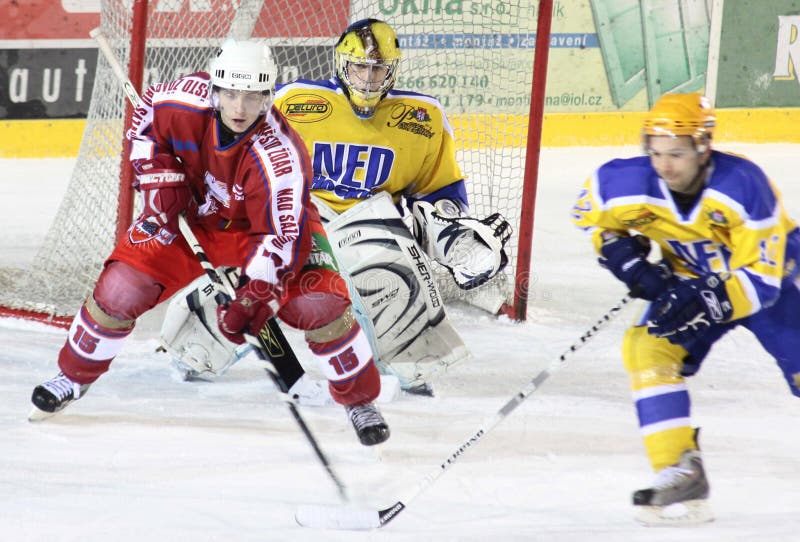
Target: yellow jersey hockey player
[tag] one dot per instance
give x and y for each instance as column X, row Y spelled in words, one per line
column 363, row 135
column 368, row 139
column 377, row 152
column 730, row 257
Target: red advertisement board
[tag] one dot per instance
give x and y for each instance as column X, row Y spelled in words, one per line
column 47, row 60
column 72, row 19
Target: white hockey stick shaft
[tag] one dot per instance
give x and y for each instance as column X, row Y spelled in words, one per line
column 261, row 348
column 338, row 517
column 116, row 67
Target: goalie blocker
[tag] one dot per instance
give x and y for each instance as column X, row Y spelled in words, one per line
column 394, row 294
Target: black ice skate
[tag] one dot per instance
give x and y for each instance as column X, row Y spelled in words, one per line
column 679, row 495
column 370, row 426
column 54, row 396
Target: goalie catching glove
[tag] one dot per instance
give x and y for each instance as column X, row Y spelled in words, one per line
column 471, row 249
column 165, row 192
column 256, row 302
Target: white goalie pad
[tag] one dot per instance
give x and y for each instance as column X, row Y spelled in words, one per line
column 394, row 291
column 190, row 333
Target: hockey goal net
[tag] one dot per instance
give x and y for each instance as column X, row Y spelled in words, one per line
column 476, row 58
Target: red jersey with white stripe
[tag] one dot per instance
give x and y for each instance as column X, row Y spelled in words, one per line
column 258, row 183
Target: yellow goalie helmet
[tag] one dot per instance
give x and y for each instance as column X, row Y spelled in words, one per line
column 366, row 58
column 681, row 115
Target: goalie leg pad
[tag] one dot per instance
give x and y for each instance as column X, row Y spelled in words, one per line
column 190, row 333
column 394, row 291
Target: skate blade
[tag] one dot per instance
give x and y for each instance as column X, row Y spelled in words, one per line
column 679, row 514
column 37, row 415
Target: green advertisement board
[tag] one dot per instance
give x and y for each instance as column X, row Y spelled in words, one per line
column 759, row 55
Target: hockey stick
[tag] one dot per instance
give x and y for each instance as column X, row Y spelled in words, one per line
column 224, row 295
column 116, row 67
column 353, row 518
column 271, row 344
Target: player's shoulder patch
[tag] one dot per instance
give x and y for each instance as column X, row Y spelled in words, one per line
column 307, row 101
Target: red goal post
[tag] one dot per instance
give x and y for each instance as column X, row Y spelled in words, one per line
column 475, row 60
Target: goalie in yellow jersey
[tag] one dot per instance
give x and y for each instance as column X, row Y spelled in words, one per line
column 379, row 154
column 731, row 257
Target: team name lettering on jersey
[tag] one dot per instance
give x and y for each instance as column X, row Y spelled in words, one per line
column 350, row 171
column 703, row 255
column 284, row 201
column 278, row 155
column 768, row 250
column 196, row 87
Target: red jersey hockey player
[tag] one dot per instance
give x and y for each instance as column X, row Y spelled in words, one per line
column 212, row 145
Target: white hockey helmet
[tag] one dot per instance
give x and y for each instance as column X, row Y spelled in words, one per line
column 243, row 65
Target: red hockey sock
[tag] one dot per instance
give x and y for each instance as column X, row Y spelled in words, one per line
column 348, row 366
column 90, row 348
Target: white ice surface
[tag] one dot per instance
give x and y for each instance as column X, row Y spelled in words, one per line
column 146, row 457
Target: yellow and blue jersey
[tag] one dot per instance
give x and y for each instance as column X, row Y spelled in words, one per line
column 737, row 226
column 405, row 149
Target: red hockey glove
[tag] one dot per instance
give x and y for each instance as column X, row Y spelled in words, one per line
column 256, row 302
column 165, row 192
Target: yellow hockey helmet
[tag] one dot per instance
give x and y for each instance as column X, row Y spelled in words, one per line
column 366, row 59
column 681, row 115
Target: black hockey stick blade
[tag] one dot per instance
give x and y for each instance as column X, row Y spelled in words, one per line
column 345, row 518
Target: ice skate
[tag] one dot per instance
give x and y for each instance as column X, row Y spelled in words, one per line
column 679, row 495
column 54, row 396
column 369, row 424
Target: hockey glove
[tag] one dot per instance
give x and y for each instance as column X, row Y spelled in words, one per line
column 471, row 249
column 164, row 189
column 626, row 258
column 688, row 310
column 256, row 302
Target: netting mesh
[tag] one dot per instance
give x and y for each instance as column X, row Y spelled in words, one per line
column 477, row 62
